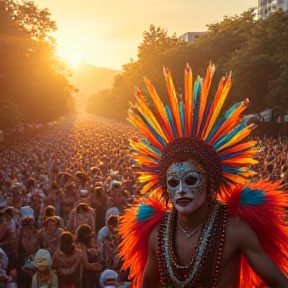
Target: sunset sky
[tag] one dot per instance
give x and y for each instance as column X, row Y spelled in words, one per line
column 107, row 33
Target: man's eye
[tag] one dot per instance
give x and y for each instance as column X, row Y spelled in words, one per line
column 173, row 183
column 191, row 180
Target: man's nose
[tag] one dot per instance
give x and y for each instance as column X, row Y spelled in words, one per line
column 182, row 193
column 181, row 190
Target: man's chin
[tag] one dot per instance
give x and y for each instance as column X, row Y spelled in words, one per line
column 189, row 209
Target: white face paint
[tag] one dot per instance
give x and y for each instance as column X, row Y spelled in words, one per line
column 186, row 183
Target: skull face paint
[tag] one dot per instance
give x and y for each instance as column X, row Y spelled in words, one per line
column 186, row 184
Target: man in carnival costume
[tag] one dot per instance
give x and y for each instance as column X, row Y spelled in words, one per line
column 206, row 225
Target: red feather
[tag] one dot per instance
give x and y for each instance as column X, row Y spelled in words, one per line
column 135, row 234
column 269, row 214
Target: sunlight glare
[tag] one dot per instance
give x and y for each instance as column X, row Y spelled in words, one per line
column 73, row 56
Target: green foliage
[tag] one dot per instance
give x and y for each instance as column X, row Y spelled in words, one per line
column 33, row 80
column 255, row 51
column 260, row 67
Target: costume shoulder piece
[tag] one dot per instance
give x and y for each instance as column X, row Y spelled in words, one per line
column 262, row 204
column 135, row 227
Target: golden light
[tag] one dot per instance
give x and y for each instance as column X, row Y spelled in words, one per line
column 73, row 55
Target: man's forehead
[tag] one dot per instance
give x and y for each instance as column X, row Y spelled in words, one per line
column 181, row 167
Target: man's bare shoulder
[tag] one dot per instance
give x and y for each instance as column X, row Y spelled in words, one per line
column 238, row 231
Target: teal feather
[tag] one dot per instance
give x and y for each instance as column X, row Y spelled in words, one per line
column 231, row 155
column 182, row 115
column 196, row 99
column 252, row 197
column 226, row 138
column 220, row 123
column 144, row 212
column 151, row 147
column 170, row 119
column 149, row 126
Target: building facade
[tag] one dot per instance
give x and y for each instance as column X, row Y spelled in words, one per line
column 266, row 7
column 190, row 37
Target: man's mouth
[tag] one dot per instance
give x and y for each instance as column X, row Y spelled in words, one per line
column 183, row 202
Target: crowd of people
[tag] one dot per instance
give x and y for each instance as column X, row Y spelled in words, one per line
column 61, row 195
column 273, row 160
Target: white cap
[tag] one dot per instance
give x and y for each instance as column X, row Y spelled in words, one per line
column 110, row 211
column 108, row 279
column 102, row 233
column 27, row 212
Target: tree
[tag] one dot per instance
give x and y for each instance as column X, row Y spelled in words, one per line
column 151, row 54
column 260, row 67
column 33, row 79
column 254, row 50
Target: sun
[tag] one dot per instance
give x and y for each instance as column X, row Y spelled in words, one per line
column 73, row 55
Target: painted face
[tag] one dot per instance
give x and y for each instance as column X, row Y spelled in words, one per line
column 186, row 184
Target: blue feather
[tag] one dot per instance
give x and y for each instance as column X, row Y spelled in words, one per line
column 196, row 96
column 231, row 155
column 226, row 138
column 149, row 126
column 151, row 147
column 161, row 123
column 171, row 122
column 182, row 115
column 252, row 197
column 144, row 212
column 223, row 119
column 233, row 170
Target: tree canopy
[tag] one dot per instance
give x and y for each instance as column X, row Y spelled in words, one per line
column 33, row 79
column 254, row 50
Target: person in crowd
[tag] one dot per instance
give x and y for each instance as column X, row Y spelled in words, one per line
column 50, row 211
column 82, row 181
column 37, row 204
column 53, row 197
column 81, row 214
column 71, row 261
column 8, row 237
column 30, row 185
column 48, row 236
column 27, row 246
column 109, row 249
column 99, row 199
column 65, row 257
column 4, row 278
column 45, row 276
column 104, row 231
column 109, row 279
column 85, row 239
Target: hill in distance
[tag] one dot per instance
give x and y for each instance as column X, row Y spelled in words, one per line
column 90, row 79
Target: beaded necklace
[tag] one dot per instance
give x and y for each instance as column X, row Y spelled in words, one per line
column 206, row 255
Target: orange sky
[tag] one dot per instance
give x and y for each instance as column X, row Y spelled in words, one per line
column 107, row 33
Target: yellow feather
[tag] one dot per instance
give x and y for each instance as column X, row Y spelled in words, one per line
column 218, row 102
column 188, row 103
column 160, row 108
column 173, row 101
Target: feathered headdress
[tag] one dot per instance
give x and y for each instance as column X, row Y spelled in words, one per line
column 193, row 127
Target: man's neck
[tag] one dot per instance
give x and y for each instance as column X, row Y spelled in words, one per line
column 192, row 220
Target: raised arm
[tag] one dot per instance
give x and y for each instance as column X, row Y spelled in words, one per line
column 151, row 277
